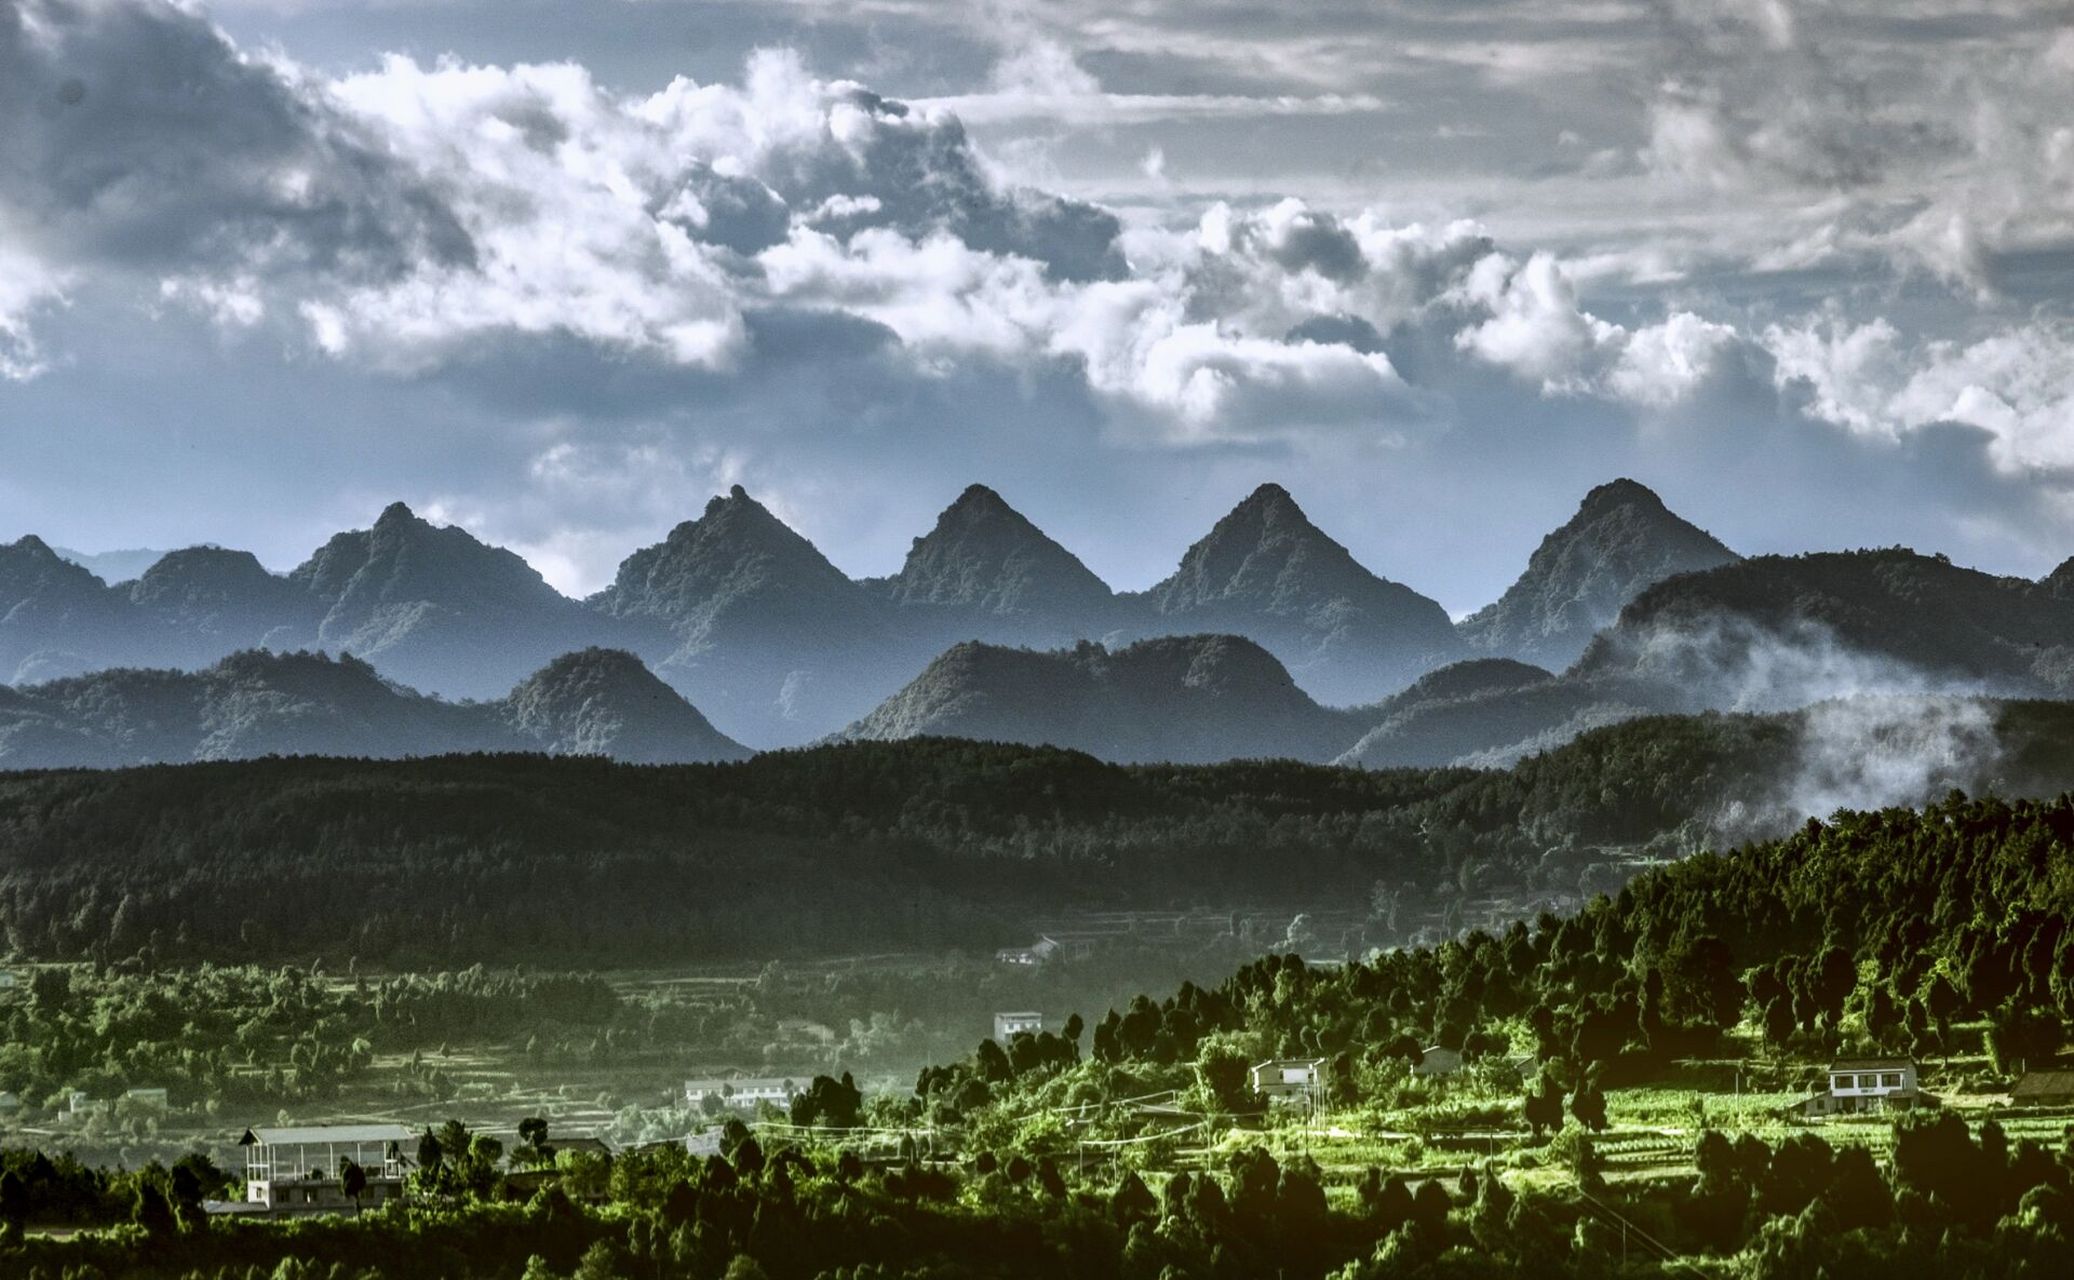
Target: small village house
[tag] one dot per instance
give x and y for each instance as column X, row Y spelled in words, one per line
column 1860, row 1086
column 1007, row 1026
column 1282, row 1080
column 741, row 1093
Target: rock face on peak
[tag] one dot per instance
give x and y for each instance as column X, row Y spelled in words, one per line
column 1173, row 698
column 57, row 618
column 604, row 702
column 258, row 703
column 1267, row 573
column 436, row 609
column 986, row 573
column 751, row 622
column 1622, row 541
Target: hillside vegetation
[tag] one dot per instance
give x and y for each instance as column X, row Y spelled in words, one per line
column 921, row 843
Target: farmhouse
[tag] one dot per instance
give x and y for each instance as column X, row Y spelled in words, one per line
column 1007, row 1026
column 297, row 1170
column 1288, row 1079
column 2043, row 1089
column 1858, row 1086
column 741, row 1093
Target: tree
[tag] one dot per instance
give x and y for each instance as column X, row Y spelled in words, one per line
column 1588, row 1104
column 152, row 1211
column 1132, row 1201
column 14, row 1201
column 352, row 1179
column 1543, row 1107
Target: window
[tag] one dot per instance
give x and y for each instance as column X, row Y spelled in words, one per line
column 1890, row 1080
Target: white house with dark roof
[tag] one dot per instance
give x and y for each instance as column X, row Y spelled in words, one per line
column 1007, row 1026
column 296, row 1169
column 742, row 1093
column 1288, row 1079
column 1860, row 1086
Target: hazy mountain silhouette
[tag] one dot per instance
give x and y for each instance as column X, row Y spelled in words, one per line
column 113, row 567
column 57, row 618
column 749, row 620
column 258, row 703
column 433, row 608
column 1765, row 634
column 1172, row 698
column 1621, row 541
column 986, row 573
column 208, row 602
column 1267, row 573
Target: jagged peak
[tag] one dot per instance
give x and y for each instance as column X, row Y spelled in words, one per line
column 184, row 558
column 979, row 498
column 978, row 505
column 1617, row 493
column 594, row 658
column 30, row 544
column 397, row 514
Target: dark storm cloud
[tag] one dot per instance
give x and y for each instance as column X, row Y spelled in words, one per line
column 139, row 138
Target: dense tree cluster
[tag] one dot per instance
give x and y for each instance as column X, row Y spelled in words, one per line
column 919, row 844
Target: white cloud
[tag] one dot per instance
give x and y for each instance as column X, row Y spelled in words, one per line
column 26, row 287
column 1536, row 328
column 2017, row 385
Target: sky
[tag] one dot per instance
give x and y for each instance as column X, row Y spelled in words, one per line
column 559, row 273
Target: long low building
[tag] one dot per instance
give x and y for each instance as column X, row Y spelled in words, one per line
column 742, row 1093
column 299, row 1170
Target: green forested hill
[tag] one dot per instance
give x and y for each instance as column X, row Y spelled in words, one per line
column 919, row 843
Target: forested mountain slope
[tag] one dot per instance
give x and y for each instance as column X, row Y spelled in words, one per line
column 596, row 702
column 924, row 842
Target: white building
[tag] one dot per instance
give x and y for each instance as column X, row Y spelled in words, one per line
column 1288, row 1079
column 1872, row 1084
column 1007, row 1026
column 296, row 1170
column 742, row 1093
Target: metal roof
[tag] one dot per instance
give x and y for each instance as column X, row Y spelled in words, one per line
column 318, row 1134
column 1872, row 1064
column 2050, row 1084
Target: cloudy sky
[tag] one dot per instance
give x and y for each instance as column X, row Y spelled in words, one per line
column 558, row 272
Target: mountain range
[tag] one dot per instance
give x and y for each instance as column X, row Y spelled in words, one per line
column 594, row 702
column 1268, row 639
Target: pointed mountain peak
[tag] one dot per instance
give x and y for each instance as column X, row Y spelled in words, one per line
column 1270, row 494
column 1622, row 541
column 985, row 555
column 31, row 545
column 1271, row 503
column 735, row 551
column 395, row 515
column 606, row 702
column 2061, row 580
column 978, row 500
column 1619, row 493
